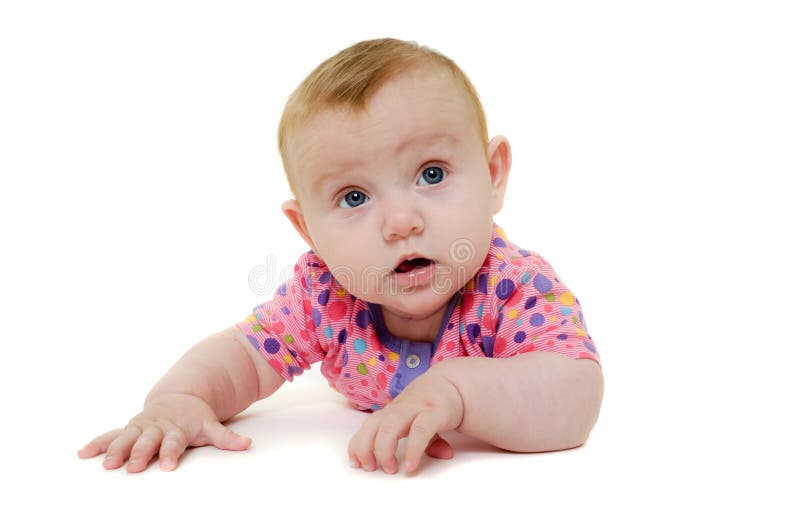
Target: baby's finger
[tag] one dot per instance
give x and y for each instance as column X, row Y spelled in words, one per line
column 99, row 445
column 422, row 430
column 145, row 447
column 224, row 438
column 173, row 445
column 119, row 449
column 389, row 433
column 363, row 442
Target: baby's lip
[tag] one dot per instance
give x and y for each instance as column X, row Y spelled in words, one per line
column 408, row 257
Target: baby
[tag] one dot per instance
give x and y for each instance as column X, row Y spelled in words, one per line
column 417, row 305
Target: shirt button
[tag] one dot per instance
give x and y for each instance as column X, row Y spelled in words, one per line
column 412, row 361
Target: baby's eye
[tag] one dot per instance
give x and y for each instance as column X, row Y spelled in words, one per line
column 354, row 198
column 432, row 175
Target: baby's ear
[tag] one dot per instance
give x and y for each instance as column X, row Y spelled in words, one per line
column 291, row 208
column 499, row 155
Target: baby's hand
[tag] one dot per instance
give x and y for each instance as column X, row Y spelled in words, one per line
column 167, row 426
column 431, row 403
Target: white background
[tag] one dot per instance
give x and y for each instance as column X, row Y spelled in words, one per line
column 655, row 154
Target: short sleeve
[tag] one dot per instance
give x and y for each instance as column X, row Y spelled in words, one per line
column 283, row 330
column 535, row 311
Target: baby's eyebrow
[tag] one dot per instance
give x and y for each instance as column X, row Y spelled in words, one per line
column 341, row 167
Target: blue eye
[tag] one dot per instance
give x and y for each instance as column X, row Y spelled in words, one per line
column 432, row 175
column 354, row 198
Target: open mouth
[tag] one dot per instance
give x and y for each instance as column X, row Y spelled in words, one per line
column 411, row 264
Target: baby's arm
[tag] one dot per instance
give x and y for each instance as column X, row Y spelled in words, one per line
column 215, row 380
column 531, row 402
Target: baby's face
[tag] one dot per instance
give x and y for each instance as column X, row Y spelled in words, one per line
column 398, row 200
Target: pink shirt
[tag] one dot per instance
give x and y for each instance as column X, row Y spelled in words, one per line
column 515, row 304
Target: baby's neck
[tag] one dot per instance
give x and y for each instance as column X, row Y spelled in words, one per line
column 416, row 330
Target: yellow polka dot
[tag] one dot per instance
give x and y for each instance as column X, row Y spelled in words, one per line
column 287, row 359
column 493, row 280
column 501, row 234
column 567, row 298
column 499, row 256
column 313, row 273
column 553, row 318
column 372, row 361
column 580, row 332
column 471, row 285
column 513, row 314
column 250, row 319
column 394, row 357
column 341, row 292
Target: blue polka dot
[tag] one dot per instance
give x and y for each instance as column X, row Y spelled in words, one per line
column 328, row 332
column 285, row 310
column 499, row 242
column 537, row 320
column 499, row 321
column 482, row 283
column 316, row 316
column 362, row 318
column 375, row 407
column 253, row 341
column 566, row 311
column 524, row 252
column 504, row 288
column 473, row 330
column 344, row 361
column 323, row 297
column 562, row 336
column 282, row 290
column 542, row 283
column 271, row 345
column 530, row 302
column 525, row 278
column 325, row 277
column 450, row 326
column 381, row 358
column 480, row 311
column 488, row 345
column 519, row 337
column 294, row 370
column 342, row 336
column 589, row 346
column 360, row 345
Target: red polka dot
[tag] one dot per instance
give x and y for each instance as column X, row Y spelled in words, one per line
column 374, row 393
column 336, row 310
column 550, row 343
column 350, row 387
column 390, row 368
column 514, row 299
column 450, row 346
column 278, row 327
column 364, row 382
column 307, row 306
column 466, row 303
column 276, row 366
column 304, row 334
column 548, row 307
column 487, row 322
column 499, row 345
column 381, row 378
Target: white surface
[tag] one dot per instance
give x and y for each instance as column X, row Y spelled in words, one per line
column 654, row 151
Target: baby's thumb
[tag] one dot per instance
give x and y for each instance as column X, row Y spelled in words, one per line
column 222, row 437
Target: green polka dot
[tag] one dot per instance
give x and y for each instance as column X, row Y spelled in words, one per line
column 550, row 297
column 362, row 368
column 289, row 339
column 257, row 327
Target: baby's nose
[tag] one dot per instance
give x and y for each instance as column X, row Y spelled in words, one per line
column 401, row 219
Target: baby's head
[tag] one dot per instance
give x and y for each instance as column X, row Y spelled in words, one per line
column 386, row 150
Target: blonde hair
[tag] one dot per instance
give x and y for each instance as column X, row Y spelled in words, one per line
column 353, row 75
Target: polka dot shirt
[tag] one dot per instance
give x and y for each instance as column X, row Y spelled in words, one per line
column 515, row 304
